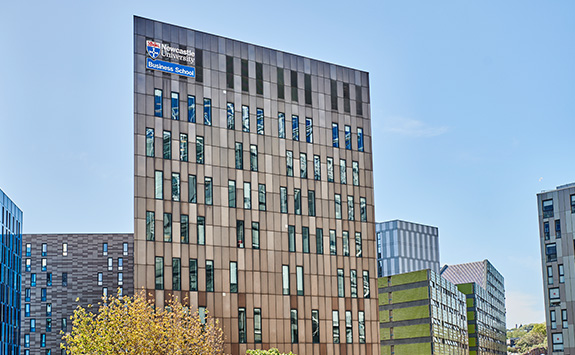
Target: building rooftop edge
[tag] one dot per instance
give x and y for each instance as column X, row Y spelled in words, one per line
column 403, row 220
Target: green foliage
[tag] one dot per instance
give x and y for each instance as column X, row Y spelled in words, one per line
column 272, row 351
column 531, row 336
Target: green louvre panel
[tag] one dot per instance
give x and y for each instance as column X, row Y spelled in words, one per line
column 414, row 294
column 409, row 277
column 411, row 331
column 413, row 349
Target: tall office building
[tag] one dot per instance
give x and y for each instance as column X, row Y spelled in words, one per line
column 556, row 227
column 484, row 289
column 10, row 275
column 62, row 271
column 253, row 190
column 405, row 246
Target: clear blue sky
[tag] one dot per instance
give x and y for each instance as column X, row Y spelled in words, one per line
column 473, row 111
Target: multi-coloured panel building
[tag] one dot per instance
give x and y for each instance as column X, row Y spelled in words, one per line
column 254, row 190
column 420, row 312
column 10, row 275
column 556, row 227
column 484, row 290
column 61, row 271
column 405, row 246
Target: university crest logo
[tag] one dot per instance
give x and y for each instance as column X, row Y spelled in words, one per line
column 153, row 49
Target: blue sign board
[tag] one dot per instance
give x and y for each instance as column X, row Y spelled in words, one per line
column 172, row 68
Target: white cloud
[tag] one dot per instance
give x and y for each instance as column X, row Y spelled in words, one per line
column 412, row 128
column 523, row 308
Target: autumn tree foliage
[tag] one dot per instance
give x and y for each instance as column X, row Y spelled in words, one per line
column 272, row 351
column 132, row 325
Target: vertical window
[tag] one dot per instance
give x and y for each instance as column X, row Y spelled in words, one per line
column 297, row 201
column 121, row 279
column 64, row 324
column 348, row 328
column 299, row 280
column 305, row 239
column 285, row 279
column 340, row 283
column 260, row 120
column 209, row 275
column 295, row 127
column 42, row 340
column 281, row 125
column 167, row 227
column 28, row 248
column 27, row 340
column 303, row 165
column 311, row 202
column 366, row 293
column 361, row 327
column 546, row 230
column 337, row 206
column 347, row 130
column 253, row 157
column 44, row 264
column 193, row 274
column 104, row 249
column 353, row 281
column 257, row 325
column 32, row 325
column 125, row 248
column 307, row 88
column 207, row 112
column 346, row 103
column 557, row 339
column 240, row 236
column 64, row 279
column 64, row 249
column 239, row 156
column 332, row 243
column 175, row 106
column 550, row 275
column 547, row 208
column 110, row 264
column 231, row 115
column 293, row 323
column 345, row 243
column 565, row 324
column 232, row 193
column 27, row 293
column 233, row 277
column 149, row 142
column 319, row 240
column 120, row 264
column 360, row 139
column 316, row 167
column 192, row 189
column 191, row 109
column 208, row 190
column 358, row 101
column 45, row 249
column 280, row 85
column 183, row 147
column 159, row 273
column 358, row 245
column 335, row 324
column 330, row 169
column 259, row 78
column 175, row 187
column 176, row 274
column 333, row 91
column 308, row 130
column 199, row 149
column 291, row 238
column 104, row 292
column 229, row 72
column 158, row 111
column 49, row 279
column 557, row 228
column 362, row 209
column 167, row 145
column 33, row 280
column 561, row 274
column 245, row 75
column 201, row 226
column 159, row 185
column 315, row 326
column 28, row 264
column 27, row 310
column 247, row 196
column 294, row 96
column 262, row 197
column 355, row 173
column 245, row 118
column 283, row 199
column 572, row 203
column 184, row 228
column 242, row 325
column 255, row 235
column 335, row 135
column 551, row 252
column 350, row 210
column 343, row 171
column 289, row 163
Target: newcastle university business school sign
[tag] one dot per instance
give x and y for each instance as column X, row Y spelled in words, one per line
column 161, row 50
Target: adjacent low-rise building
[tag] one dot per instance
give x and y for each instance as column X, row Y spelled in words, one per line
column 62, row 271
column 484, row 290
column 421, row 313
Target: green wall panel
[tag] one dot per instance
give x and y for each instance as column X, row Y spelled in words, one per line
column 414, row 294
column 466, row 288
column 412, row 331
column 413, row 349
column 409, row 278
column 385, row 350
column 384, row 316
column 408, row 313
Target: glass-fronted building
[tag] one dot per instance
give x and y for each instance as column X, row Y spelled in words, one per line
column 10, row 275
column 254, row 190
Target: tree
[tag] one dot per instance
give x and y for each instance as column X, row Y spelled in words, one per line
column 272, row 351
column 132, row 325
